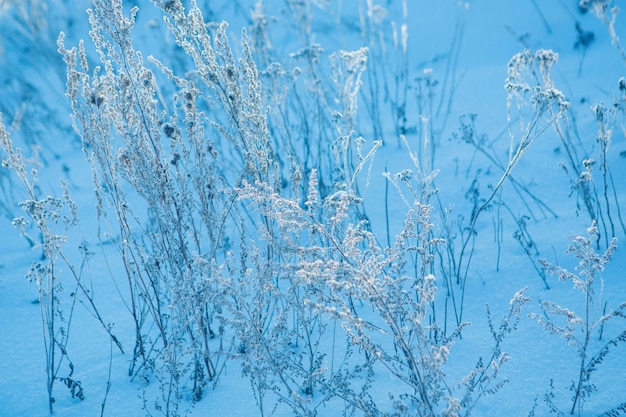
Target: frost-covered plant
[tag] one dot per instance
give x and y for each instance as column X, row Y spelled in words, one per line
column 534, row 102
column 159, row 181
column 47, row 215
column 605, row 118
column 531, row 202
column 598, row 197
column 578, row 327
column 283, row 315
column 346, row 71
column 148, row 156
column 52, row 218
column 484, row 379
column 382, row 298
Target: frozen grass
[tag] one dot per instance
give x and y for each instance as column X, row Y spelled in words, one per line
column 578, row 329
column 284, row 200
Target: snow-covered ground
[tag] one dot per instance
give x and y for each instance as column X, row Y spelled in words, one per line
column 463, row 46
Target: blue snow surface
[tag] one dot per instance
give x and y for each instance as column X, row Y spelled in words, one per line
column 434, row 93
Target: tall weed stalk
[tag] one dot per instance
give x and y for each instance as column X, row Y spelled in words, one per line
column 578, row 327
column 53, row 218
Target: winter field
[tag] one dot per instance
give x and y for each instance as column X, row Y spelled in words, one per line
column 312, row 208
